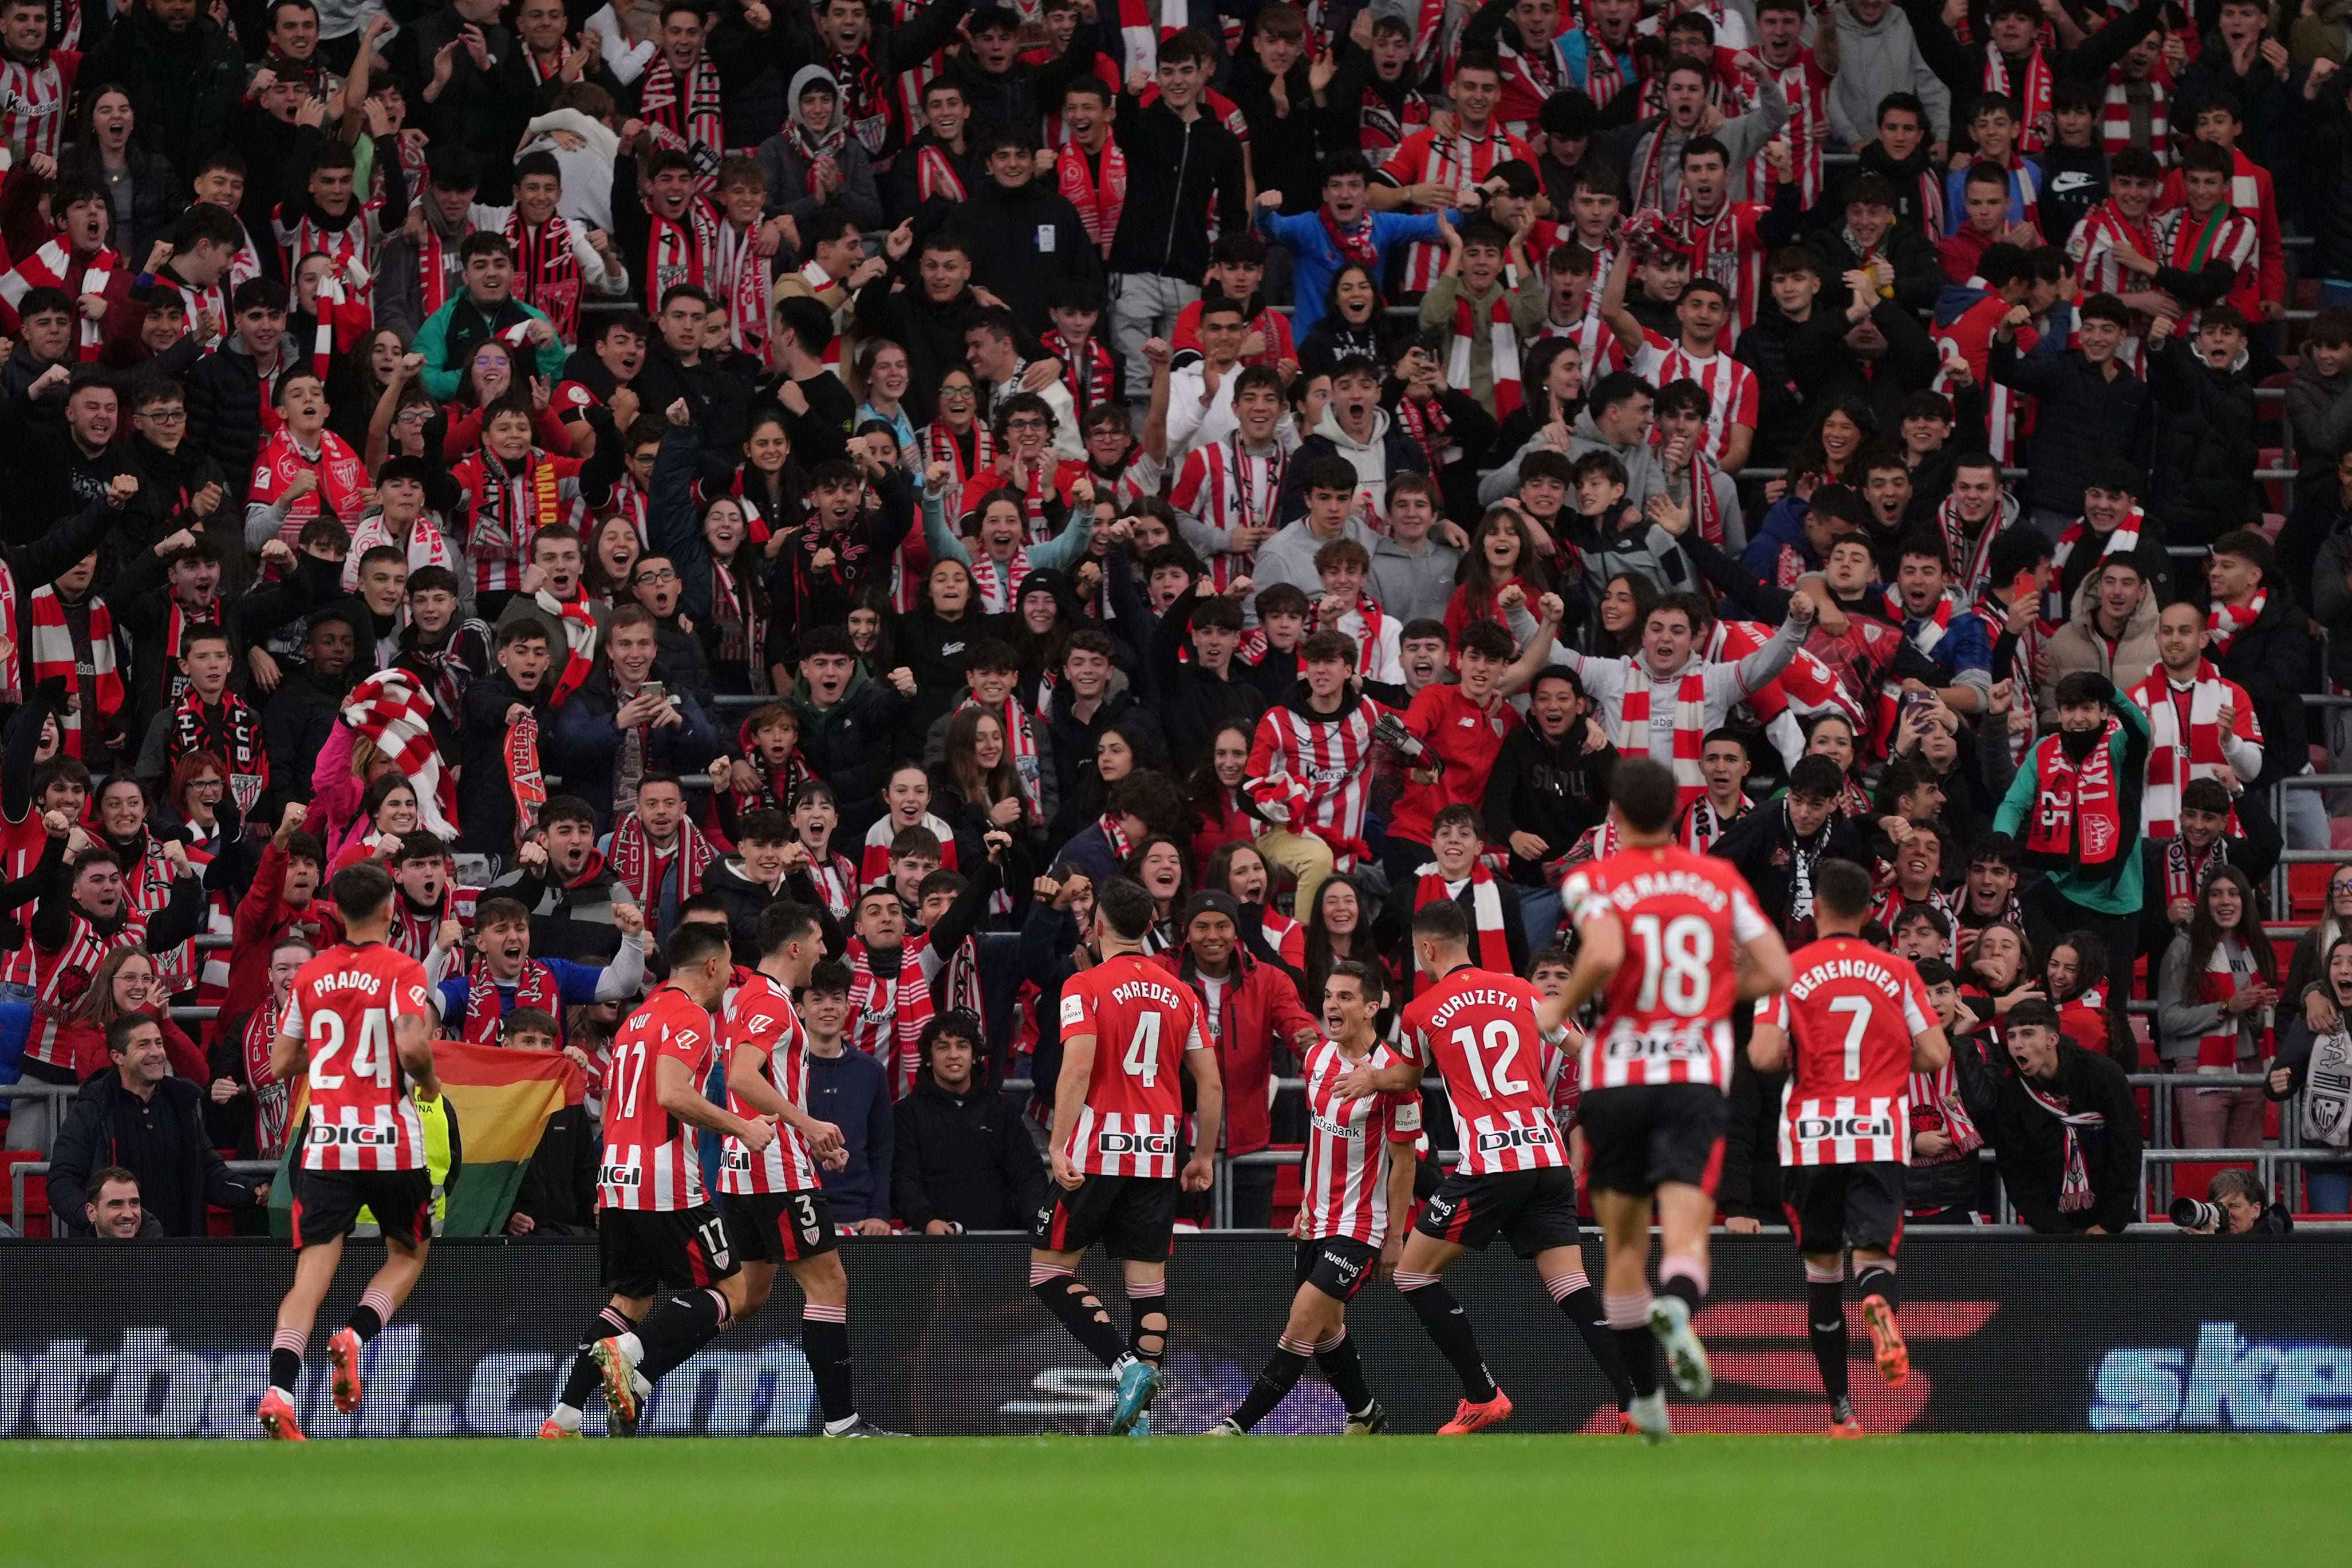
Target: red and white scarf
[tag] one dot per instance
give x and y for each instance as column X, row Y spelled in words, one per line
column 55, row 266
column 2122, row 541
column 1966, row 557
column 740, row 276
column 1100, row 197
column 1021, row 746
column 395, row 713
column 935, row 175
column 1938, row 1092
column 2115, row 118
column 1425, row 425
column 2185, row 876
column 1490, row 946
column 547, row 270
column 1503, row 340
column 1114, row 836
column 272, row 1099
column 2223, row 623
column 1368, row 646
column 1632, row 730
column 695, row 126
column 742, row 636
column 1932, row 626
column 54, row 654
column 2077, row 813
column 1702, row 824
column 887, row 1015
column 351, row 245
column 1707, row 513
column 233, row 733
column 2174, row 758
column 2229, row 970
column 2074, row 1187
column 2033, row 102
column 486, row 1019
column 638, row 866
column 1086, row 368
column 524, row 776
column 1353, row 243
column 680, row 250
column 581, row 636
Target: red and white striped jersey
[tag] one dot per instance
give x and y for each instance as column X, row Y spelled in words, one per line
column 1728, row 248
column 1667, row 1013
column 1849, row 1015
column 1730, row 386
column 1807, row 87
column 1478, row 1028
column 60, row 978
column 1143, row 1019
column 1344, row 1177
column 1453, row 161
column 344, row 1006
column 34, row 99
column 1224, row 487
column 1596, row 343
column 2227, row 237
column 2092, row 247
column 1312, row 774
column 649, row 1155
column 760, row 1012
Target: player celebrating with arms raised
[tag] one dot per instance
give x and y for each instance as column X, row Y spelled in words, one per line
column 1118, row 1107
column 655, row 1228
column 359, row 1026
column 1660, row 928
column 1357, row 1173
column 1855, row 1024
column 1480, row 1030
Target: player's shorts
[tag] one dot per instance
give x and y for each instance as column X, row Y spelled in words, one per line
column 1532, row 1210
column 644, row 1251
column 780, row 1226
column 1833, row 1207
column 328, row 1203
column 1644, row 1136
column 1337, row 1266
column 1132, row 1216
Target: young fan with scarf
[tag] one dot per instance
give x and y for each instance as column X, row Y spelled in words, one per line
column 259, row 1115
column 904, row 973
column 77, row 262
column 512, row 493
column 1458, row 871
column 2317, row 1066
column 1485, row 314
column 1345, row 228
column 502, row 976
column 2214, row 995
column 682, row 96
column 659, row 854
column 2067, row 1130
column 1951, row 1110
column 208, row 717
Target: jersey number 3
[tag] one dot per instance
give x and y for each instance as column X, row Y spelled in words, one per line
column 371, row 1057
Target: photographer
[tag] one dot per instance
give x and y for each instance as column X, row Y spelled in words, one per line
column 2235, row 1205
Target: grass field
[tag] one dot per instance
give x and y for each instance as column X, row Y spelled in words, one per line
column 1973, row 1501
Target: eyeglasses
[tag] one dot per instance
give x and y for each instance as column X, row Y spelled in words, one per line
column 491, row 361
column 958, row 392
column 162, row 415
column 664, row 575
column 1025, row 425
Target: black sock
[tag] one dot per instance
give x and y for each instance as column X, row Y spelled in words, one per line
column 1583, row 1309
column 583, row 1376
column 1449, row 1328
column 1877, row 1279
column 1825, row 1327
column 365, row 1323
column 1082, row 1313
column 1691, row 1292
column 825, row 1344
column 1637, row 1355
column 1343, row 1369
column 1275, row 1382
column 1148, row 1341
column 285, row 1370
column 676, row 1328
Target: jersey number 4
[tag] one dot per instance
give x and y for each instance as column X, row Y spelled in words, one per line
column 1143, row 1059
column 371, row 1057
column 1503, row 1042
column 1676, row 962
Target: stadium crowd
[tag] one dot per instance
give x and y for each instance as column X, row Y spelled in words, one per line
column 620, row 467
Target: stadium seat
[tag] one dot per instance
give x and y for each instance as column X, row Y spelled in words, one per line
column 37, row 1189
column 2190, row 1179
column 1289, row 1190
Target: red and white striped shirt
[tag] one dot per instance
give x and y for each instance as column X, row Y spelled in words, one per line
column 1666, row 1014
column 2092, row 245
column 345, row 1006
column 61, row 977
column 1728, row 248
column 1344, row 1176
column 1730, row 386
column 1478, row 1028
column 1312, row 774
column 1807, row 87
column 33, row 98
column 2186, row 741
column 1143, row 1019
column 1227, row 487
column 1453, row 161
column 760, row 1012
column 1849, row 1015
column 649, row 1155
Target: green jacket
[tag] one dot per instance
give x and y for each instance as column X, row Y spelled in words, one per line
column 2115, row 888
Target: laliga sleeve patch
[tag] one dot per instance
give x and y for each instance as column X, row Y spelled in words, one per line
column 1074, row 1011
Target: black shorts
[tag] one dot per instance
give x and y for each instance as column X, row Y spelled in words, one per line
column 1833, row 1207
column 644, row 1251
column 1530, row 1209
column 1132, row 1216
column 780, row 1226
column 1337, row 1266
column 1644, row 1136
column 328, row 1203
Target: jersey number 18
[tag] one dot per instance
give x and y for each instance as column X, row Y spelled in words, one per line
column 1676, row 962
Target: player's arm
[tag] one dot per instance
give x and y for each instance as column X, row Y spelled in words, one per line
column 747, row 1079
column 1069, row 1095
column 675, row 1091
column 1404, row 1160
column 1768, row 971
column 289, row 1055
column 1400, row 1073
column 1209, row 1107
column 412, row 1036
column 1930, row 1049
column 1768, row 1047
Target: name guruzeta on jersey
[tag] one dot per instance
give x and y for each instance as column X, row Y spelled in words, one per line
column 1506, row 1000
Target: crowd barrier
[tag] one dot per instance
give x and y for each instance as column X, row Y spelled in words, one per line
column 2007, row 1334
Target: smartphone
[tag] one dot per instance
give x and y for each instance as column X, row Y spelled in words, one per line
column 2021, row 584
column 655, row 690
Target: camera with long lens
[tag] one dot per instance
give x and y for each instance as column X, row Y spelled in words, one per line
column 2190, row 1214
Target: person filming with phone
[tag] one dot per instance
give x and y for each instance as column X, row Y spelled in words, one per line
column 628, row 720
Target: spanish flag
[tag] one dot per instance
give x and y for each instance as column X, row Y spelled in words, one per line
column 503, row 1099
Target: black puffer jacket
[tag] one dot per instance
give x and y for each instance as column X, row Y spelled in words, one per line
column 964, row 1159
column 2083, row 420
column 187, row 84
column 2276, row 660
column 2324, row 144
column 225, row 397
column 2206, row 445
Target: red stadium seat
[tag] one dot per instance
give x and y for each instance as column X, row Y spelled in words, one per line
column 2190, row 1179
column 1289, row 1190
column 37, row 1189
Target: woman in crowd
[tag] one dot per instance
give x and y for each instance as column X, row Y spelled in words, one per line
column 1219, row 817
column 1502, row 555
column 2213, row 998
column 1238, row 869
column 2074, row 978
column 975, row 789
column 1351, row 325
column 1157, row 864
column 1999, row 973
column 2311, row 1072
column 124, row 983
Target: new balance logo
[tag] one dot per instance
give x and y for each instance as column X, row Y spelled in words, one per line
column 1513, row 1138
column 1136, row 1143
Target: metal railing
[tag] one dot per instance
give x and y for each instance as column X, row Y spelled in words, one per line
column 21, row 1173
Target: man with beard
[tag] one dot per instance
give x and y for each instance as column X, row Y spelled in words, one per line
column 1776, row 846
column 561, row 880
column 504, row 976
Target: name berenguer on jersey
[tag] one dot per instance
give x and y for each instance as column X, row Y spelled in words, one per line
column 1830, row 969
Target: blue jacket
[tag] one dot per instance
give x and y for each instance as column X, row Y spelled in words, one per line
column 1784, row 525
column 852, row 1091
column 2025, row 178
column 1315, row 260
column 1963, row 646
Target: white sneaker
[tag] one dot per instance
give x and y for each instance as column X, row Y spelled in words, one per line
column 1228, row 1427
column 1685, row 1357
column 1649, row 1413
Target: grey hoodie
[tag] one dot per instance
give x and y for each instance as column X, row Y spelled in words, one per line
column 1368, row 456
column 2319, row 412
column 1643, row 477
column 1875, row 59
column 1743, row 137
column 786, row 164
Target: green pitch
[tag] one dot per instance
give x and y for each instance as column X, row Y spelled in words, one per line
column 1202, row 1503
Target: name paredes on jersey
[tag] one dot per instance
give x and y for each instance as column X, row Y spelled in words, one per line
column 1667, row 885
column 1146, row 991
column 1862, row 969
column 1507, row 1000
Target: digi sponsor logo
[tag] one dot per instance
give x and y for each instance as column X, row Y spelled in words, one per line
column 1500, row 1138
column 2226, row 1382
column 1136, row 1143
column 620, row 1175
column 1820, row 1129
column 378, row 1136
